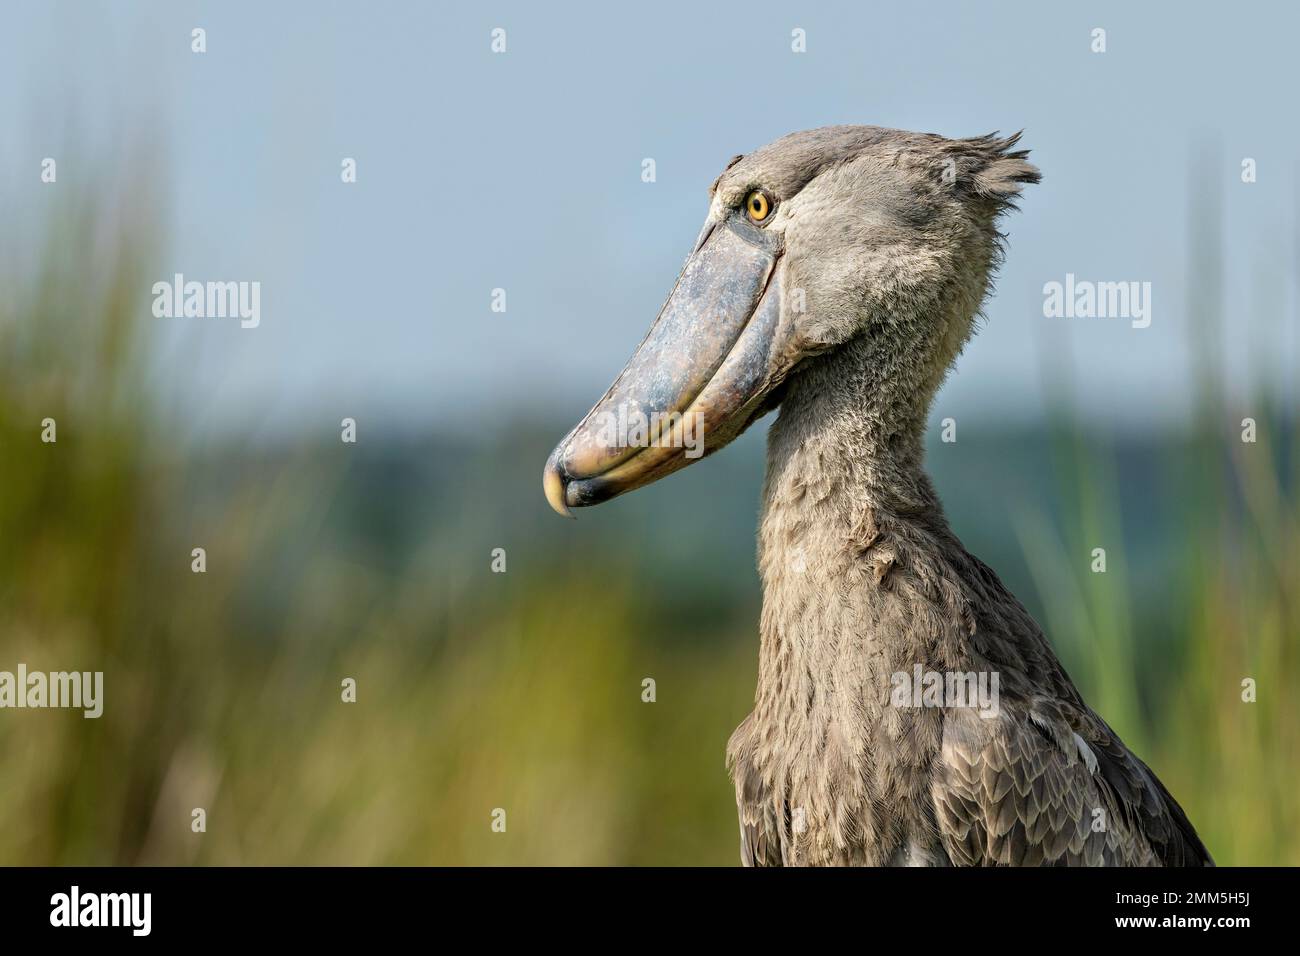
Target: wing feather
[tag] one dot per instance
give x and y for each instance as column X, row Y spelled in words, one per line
column 1043, row 784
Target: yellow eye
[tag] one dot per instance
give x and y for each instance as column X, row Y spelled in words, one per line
column 758, row 206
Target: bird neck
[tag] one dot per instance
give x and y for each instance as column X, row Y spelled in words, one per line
column 844, row 494
column 849, row 440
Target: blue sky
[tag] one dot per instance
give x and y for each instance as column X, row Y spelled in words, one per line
column 522, row 171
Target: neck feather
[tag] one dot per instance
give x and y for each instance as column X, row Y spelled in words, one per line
column 850, row 439
column 845, row 500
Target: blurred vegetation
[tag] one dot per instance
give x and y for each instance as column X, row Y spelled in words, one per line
column 522, row 690
column 1167, row 672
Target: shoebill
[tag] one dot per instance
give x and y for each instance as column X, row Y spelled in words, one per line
column 837, row 276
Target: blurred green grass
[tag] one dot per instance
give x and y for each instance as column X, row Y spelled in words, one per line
column 520, row 691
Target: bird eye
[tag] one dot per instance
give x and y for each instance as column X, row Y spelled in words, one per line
column 758, row 206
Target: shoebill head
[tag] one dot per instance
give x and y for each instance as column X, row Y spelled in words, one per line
column 810, row 242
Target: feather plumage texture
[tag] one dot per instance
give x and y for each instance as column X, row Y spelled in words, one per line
column 862, row 577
